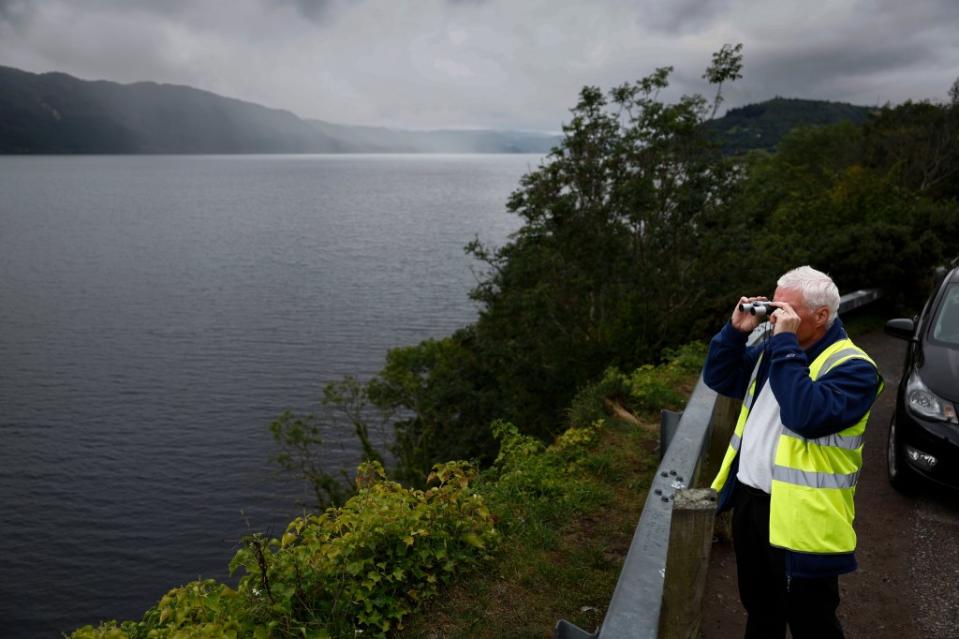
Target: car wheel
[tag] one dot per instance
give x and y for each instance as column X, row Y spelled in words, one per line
column 900, row 475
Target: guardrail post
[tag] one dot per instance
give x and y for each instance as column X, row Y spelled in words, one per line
column 721, row 426
column 690, row 539
column 567, row 630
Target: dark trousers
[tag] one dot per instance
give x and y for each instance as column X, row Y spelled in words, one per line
column 808, row 606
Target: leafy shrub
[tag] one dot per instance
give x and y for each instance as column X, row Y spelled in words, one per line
column 361, row 567
column 532, row 488
column 647, row 390
column 589, row 403
column 653, row 388
column 201, row 609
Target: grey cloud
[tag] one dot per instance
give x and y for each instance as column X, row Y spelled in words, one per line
column 805, row 67
column 320, row 11
column 316, row 10
column 936, row 9
column 865, row 61
column 485, row 63
column 15, row 12
column 681, row 16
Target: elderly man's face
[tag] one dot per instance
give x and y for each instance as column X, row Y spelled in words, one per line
column 813, row 324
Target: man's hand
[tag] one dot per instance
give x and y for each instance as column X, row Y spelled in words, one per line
column 742, row 321
column 785, row 319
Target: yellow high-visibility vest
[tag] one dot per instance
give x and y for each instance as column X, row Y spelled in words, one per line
column 813, row 480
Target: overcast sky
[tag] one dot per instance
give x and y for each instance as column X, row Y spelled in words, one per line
column 486, row 63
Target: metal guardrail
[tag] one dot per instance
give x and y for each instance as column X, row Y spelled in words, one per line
column 635, row 608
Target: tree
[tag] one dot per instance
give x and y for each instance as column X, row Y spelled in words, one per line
column 618, row 225
column 444, row 400
column 919, row 141
column 620, row 222
column 819, row 200
column 299, row 439
column 726, row 66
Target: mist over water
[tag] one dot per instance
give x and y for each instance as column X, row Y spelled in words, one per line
column 157, row 312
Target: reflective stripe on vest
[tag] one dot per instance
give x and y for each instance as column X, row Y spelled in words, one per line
column 849, row 443
column 813, row 480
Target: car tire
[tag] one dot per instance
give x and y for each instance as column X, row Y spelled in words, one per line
column 901, row 476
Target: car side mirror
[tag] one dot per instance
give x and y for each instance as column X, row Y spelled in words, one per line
column 901, row 327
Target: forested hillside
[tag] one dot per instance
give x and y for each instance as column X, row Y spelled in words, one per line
column 57, row 113
column 763, row 125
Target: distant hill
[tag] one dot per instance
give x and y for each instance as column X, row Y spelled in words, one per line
column 763, row 125
column 57, row 113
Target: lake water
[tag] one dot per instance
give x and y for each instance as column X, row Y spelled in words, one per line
column 156, row 313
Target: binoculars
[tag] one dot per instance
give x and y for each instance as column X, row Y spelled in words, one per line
column 762, row 309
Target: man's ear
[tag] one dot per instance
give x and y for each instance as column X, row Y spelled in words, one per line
column 822, row 316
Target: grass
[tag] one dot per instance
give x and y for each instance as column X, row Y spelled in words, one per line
column 561, row 557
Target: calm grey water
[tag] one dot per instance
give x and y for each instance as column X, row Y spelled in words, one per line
column 157, row 312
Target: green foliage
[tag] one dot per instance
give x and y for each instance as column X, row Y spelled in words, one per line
column 618, row 225
column 647, row 390
column 919, row 143
column 443, row 393
column 349, row 401
column 589, row 404
column 653, row 388
column 367, row 564
column 201, row 609
column 362, row 567
column 872, row 206
column 726, row 66
column 567, row 513
column 298, row 438
column 365, row 567
column 107, row 630
column 531, row 488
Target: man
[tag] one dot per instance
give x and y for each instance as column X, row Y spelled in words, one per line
column 792, row 464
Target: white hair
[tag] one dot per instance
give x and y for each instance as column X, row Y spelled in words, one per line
column 816, row 287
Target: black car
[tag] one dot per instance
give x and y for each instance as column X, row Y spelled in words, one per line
column 924, row 432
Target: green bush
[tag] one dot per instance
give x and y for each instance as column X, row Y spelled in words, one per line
column 361, row 567
column 647, row 390
column 532, row 489
column 653, row 388
column 589, row 403
column 201, row 609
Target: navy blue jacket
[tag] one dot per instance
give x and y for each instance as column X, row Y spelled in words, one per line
column 834, row 402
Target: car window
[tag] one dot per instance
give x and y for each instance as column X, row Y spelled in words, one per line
column 945, row 328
